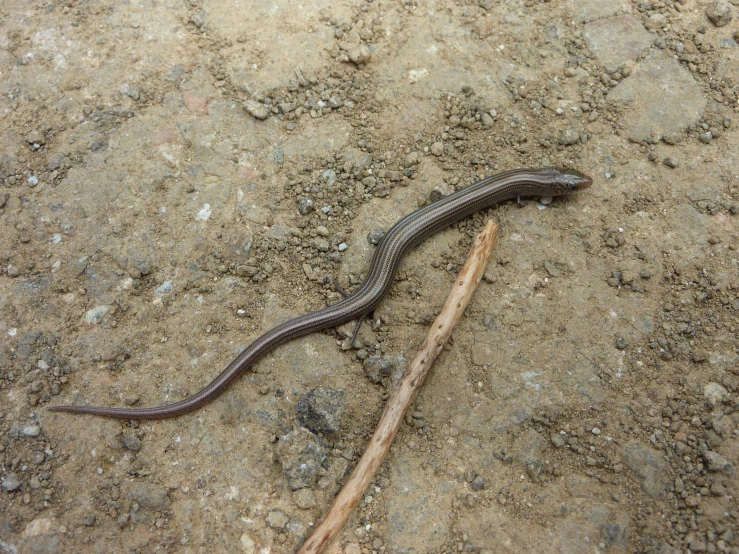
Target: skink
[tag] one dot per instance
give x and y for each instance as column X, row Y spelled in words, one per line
column 400, row 239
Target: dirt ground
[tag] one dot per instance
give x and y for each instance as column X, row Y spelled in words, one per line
column 178, row 177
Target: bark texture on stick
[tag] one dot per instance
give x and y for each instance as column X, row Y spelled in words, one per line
column 405, row 393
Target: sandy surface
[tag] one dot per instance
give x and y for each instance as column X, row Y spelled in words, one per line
column 178, row 177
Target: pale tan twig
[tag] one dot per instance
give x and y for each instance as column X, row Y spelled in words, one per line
column 405, row 393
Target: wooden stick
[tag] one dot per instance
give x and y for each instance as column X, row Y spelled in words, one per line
column 405, row 393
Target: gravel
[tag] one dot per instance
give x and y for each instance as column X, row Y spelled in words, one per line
column 188, row 177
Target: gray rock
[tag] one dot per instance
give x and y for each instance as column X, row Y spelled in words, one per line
column 719, row 13
column 256, row 109
column 558, row 440
column 615, row 40
column 359, row 54
column 131, row 91
column 320, row 244
column 716, row 462
column 35, row 137
column 277, row 519
column 150, row 497
column 320, row 410
column 131, row 442
column 671, row 162
column 305, row 205
column 649, row 467
column 530, row 445
column 412, row 159
column 304, row 498
column 478, row 483
column 375, row 236
column 356, row 161
column 31, row 430
column 552, row 269
column 301, row 456
column 659, row 83
column 569, row 136
column 378, row 367
column 56, row 161
column 714, row 393
column 11, row 482
column 164, row 288
column 656, row 21
column 96, row 314
column 613, row 533
column 247, row 271
column 28, row 344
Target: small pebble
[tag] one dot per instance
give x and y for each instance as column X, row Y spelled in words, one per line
column 11, row 482
column 150, row 496
column 478, row 483
column 256, row 109
column 131, row 442
column 378, row 367
column 700, row 355
column 31, row 430
column 437, row 149
column 719, row 13
column 131, row 91
column 305, row 205
column 716, row 462
column 558, row 440
column 412, row 159
column 715, row 394
column 164, row 288
column 304, row 498
column 96, row 314
column 375, row 236
column 671, row 162
column 277, row 519
column 359, row 54
column 35, row 137
column 569, row 137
